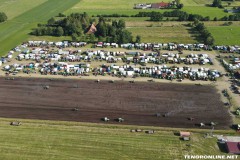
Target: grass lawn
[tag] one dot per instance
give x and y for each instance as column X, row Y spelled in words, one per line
column 178, row 34
column 15, row 31
column 227, row 35
column 44, row 140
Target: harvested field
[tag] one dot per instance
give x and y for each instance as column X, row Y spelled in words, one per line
column 137, row 102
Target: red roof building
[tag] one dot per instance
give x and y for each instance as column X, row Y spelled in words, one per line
column 92, row 29
column 160, row 5
column 233, row 147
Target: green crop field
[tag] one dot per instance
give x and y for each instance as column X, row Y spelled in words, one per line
column 15, row 31
column 44, row 140
column 225, row 35
column 13, row 8
column 178, row 34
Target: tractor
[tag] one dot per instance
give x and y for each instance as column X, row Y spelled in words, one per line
column 45, row 87
column 15, row 123
column 105, row 119
column 120, row 120
column 202, row 124
column 238, row 111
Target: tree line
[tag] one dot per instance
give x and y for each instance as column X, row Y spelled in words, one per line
column 180, row 15
column 3, row 17
column 76, row 25
column 206, row 36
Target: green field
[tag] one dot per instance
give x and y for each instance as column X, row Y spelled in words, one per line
column 95, row 7
column 177, row 33
column 206, row 11
column 13, row 8
column 44, row 140
column 15, row 31
column 225, row 35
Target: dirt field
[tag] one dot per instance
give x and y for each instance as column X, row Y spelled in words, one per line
column 137, row 102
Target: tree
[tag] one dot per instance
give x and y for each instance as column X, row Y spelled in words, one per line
column 59, row 31
column 101, row 29
column 100, row 39
column 156, row 16
column 51, row 21
column 210, row 40
column 217, row 3
column 207, row 18
column 200, row 27
column 138, row 39
column 74, row 37
column 111, row 30
column 50, row 31
column 180, row 6
column 125, row 37
column 91, row 38
column 177, row 2
column 121, row 24
column 3, row 17
column 61, row 15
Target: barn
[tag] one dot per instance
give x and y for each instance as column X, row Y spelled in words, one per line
column 160, row 5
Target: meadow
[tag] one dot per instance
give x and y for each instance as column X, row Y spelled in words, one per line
column 108, row 7
column 225, row 35
column 126, row 7
column 14, row 8
column 44, row 140
column 16, row 30
column 178, row 34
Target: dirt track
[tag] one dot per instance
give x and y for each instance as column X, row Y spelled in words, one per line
column 137, row 103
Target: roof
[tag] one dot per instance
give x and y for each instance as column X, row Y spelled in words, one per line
column 92, row 29
column 233, row 147
column 160, row 5
column 185, row 134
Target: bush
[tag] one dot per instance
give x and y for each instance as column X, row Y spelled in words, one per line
column 3, row 17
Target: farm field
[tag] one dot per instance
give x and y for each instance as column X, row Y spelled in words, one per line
column 16, row 30
column 14, row 8
column 126, row 7
column 225, row 35
column 68, row 140
column 109, row 7
column 26, row 98
column 206, row 11
column 177, row 33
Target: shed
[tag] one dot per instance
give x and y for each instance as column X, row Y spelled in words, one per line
column 233, row 147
